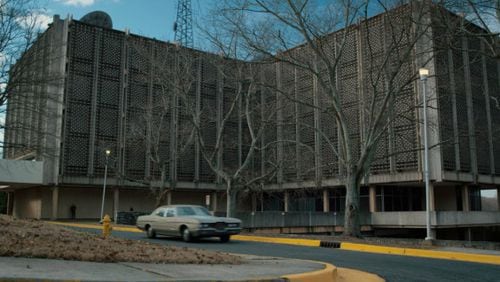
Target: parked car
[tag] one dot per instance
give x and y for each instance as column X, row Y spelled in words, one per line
column 189, row 222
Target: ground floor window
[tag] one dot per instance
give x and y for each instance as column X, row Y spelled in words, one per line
column 393, row 198
column 475, row 198
column 337, row 200
column 271, row 201
column 304, row 200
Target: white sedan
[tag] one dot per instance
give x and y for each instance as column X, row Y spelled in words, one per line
column 189, row 222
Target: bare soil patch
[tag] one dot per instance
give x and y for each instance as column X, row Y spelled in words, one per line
column 38, row 239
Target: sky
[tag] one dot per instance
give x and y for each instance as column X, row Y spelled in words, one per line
column 150, row 18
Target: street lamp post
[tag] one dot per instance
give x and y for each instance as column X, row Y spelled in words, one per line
column 424, row 73
column 108, row 152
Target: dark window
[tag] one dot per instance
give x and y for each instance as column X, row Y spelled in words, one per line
column 392, row 198
column 337, row 200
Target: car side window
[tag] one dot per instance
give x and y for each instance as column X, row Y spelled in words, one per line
column 160, row 212
column 185, row 211
column 170, row 213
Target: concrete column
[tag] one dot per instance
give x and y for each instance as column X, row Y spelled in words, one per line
column 432, row 200
column 465, row 198
column 498, row 199
column 55, row 202
column 286, row 200
column 373, row 198
column 261, row 199
column 10, row 201
column 116, row 203
column 214, row 201
column 93, row 103
column 468, row 234
column 470, row 106
column 279, row 126
column 169, row 197
column 326, row 200
column 433, row 233
column 254, row 202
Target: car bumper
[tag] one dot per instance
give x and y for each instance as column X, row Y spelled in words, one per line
column 212, row 232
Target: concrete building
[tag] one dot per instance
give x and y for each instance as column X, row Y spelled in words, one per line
column 88, row 83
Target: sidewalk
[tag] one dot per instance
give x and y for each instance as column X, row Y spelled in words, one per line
column 253, row 268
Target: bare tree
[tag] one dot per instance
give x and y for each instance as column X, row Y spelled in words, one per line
column 21, row 22
column 359, row 73
column 167, row 70
column 232, row 149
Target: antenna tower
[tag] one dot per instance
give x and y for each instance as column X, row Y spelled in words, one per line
column 183, row 25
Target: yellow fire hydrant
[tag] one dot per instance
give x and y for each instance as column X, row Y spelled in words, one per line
column 106, row 226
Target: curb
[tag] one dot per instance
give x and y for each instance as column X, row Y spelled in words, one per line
column 96, row 226
column 348, row 274
column 329, row 273
column 479, row 258
column 277, row 240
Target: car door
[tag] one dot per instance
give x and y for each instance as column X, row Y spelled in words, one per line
column 161, row 225
column 156, row 218
column 170, row 227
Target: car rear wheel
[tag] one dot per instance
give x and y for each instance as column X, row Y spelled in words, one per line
column 186, row 235
column 225, row 238
column 150, row 232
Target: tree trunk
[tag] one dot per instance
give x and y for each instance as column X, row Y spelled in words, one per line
column 351, row 217
column 160, row 197
column 230, row 200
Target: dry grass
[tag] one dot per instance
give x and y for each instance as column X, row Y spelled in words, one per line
column 38, row 239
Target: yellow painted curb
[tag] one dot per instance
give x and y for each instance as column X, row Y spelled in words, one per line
column 289, row 241
column 334, row 274
column 327, row 274
column 96, row 226
column 347, row 275
column 490, row 259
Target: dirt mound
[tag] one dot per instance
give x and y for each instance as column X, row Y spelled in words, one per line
column 38, row 239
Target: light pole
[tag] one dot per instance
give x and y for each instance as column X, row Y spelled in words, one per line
column 108, row 152
column 424, row 73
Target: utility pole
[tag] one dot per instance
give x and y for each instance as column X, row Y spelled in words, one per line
column 183, row 25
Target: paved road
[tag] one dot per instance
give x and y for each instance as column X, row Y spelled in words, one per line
column 391, row 267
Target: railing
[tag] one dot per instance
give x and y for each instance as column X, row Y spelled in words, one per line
column 454, row 218
column 294, row 219
column 439, row 218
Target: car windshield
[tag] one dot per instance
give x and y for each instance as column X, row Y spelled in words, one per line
column 192, row 211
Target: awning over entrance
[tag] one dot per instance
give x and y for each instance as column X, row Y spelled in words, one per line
column 17, row 172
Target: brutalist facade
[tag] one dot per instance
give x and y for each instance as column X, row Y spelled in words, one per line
column 105, row 81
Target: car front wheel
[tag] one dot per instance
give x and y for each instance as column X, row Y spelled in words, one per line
column 186, row 235
column 150, row 232
column 225, row 238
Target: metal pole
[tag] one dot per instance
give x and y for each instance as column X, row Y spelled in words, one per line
column 426, row 161
column 104, row 185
